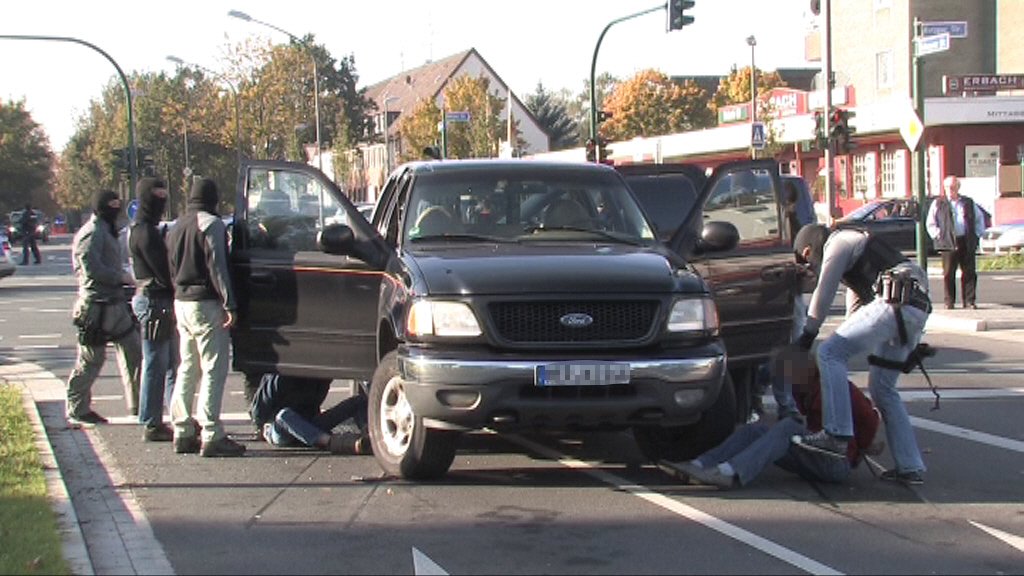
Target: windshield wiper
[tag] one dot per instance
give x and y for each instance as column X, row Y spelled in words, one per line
column 461, row 237
column 614, row 237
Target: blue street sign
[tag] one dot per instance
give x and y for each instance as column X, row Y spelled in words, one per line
column 757, row 136
column 133, row 207
column 954, row 29
column 457, row 116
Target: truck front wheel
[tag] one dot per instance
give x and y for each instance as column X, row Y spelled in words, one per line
column 402, row 444
column 679, row 443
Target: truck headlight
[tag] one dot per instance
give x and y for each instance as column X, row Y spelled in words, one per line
column 429, row 318
column 693, row 314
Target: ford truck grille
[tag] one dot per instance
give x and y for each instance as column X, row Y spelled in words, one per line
column 574, row 322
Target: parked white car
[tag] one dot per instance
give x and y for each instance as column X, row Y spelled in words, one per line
column 7, row 266
column 1002, row 238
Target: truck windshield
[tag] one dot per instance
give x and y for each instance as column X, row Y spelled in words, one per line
column 527, row 206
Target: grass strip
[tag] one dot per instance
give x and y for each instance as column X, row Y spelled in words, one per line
column 29, row 540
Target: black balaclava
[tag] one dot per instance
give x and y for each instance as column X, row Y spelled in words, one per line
column 151, row 206
column 104, row 211
column 813, row 235
column 204, row 196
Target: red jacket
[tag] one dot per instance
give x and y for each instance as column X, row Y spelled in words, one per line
column 866, row 418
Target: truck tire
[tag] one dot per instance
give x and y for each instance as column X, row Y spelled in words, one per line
column 687, row 442
column 403, row 446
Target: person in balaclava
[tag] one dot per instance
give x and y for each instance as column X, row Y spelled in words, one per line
column 154, row 306
column 204, row 305
column 889, row 310
column 101, row 312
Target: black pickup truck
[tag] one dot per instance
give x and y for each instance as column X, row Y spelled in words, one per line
column 754, row 283
column 503, row 295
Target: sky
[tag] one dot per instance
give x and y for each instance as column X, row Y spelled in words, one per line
column 527, row 41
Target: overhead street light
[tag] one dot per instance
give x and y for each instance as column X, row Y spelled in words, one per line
column 316, row 75
column 234, row 92
column 752, row 42
column 132, row 163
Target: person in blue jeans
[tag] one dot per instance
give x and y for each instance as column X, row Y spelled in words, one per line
column 153, row 304
column 288, row 411
column 888, row 311
column 742, row 457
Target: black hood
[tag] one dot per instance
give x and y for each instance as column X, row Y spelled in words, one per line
column 204, row 196
column 813, row 236
column 105, row 212
column 151, row 206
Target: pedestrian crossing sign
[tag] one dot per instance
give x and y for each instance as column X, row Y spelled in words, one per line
column 757, row 137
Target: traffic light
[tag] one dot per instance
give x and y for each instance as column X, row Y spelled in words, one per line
column 846, row 145
column 835, row 120
column 677, row 17
column 605, row 152
column 820, row 138
column 120, row 160
column 603, row 115
column 591, row 147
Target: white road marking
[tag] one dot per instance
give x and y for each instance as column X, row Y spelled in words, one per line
column 963, row 394
column 36, row 347
column 422, row 565
column 39, row 336
column 966, row 434
column 735, row 532
column 1011, row 539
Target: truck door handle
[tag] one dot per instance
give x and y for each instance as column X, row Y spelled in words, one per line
column 262, row 278
column 775, row 273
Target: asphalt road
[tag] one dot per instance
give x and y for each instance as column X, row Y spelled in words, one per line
column 557, row 504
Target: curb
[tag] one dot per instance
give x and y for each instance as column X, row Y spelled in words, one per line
column 73, row 543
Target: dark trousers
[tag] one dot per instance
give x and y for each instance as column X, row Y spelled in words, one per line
column 28, row 244
column 964, row 258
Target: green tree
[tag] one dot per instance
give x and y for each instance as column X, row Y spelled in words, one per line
column 26, row 163
column 551, row 111
column 482, row 135
column 651, row 104
column 604, row 85
column 419, row 129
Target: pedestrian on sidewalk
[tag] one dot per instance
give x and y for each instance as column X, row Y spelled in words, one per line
column 27, row 226
column 956, row 224
column 153, row 304
column 101, row 313
column 888, row 315
column 751, row 448
column 288, row 411
column 204, row 307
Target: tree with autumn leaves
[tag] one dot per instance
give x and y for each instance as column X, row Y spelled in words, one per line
column 651, row 104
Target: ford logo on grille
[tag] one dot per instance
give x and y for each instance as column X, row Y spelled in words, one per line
column 576, row 320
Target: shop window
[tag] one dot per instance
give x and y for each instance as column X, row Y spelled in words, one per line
column 889, row 188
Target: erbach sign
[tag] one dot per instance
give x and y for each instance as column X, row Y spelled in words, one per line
column 982, row 83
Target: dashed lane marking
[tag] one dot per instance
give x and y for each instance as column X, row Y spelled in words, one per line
column 967, row 434
column 1011, row 539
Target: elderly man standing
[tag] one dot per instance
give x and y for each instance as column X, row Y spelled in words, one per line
column 955, row 223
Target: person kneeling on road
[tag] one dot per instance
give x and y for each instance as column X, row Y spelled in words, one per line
column 288, row 411
column 748, row 451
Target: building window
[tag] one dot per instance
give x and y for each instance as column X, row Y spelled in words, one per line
column 884, row 69
column 860, row 176
column 889, row 189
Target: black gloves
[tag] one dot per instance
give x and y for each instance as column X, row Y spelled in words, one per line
column 807, row 339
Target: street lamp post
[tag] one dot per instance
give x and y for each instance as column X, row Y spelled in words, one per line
column 752, row 42
column 234, row 92
column 387, row 136
column 316, row 75
column 132, row 164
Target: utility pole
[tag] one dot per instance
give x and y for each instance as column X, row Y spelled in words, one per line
column 826, row 64
column 917, row 175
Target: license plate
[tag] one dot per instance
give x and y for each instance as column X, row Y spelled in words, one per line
column 581, row 374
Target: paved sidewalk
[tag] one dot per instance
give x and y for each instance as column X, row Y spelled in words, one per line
column 104, row 530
